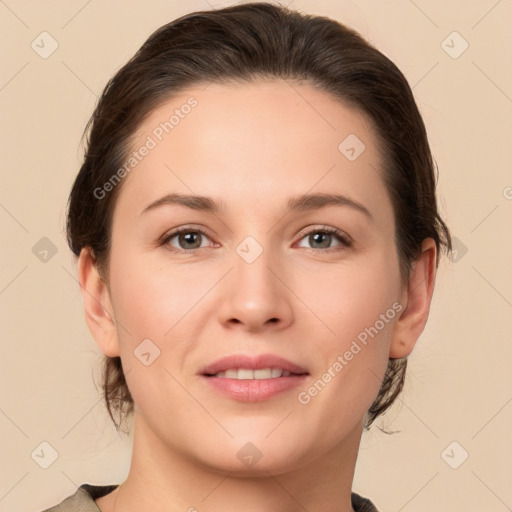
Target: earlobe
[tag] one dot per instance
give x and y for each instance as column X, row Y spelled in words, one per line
column 97, row 304
column 416, row 300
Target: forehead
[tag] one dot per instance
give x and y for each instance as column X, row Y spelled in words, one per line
column 253, row 145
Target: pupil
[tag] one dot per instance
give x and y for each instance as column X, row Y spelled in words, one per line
column 317, row 238
column 188, row 238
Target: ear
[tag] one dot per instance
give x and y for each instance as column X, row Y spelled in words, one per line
column 97, row 304
column 416, row 299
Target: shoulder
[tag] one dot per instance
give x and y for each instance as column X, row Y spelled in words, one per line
column 360, row 504
column 83, row 499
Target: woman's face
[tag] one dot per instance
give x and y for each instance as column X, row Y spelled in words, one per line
column 255, row 274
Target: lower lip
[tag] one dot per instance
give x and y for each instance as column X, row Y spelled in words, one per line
column 254, row 390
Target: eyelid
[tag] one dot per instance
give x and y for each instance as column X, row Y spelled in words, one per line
column 344, row 239
column 321, row 228
column 183, row 229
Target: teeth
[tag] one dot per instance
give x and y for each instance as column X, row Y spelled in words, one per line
column 247, row 374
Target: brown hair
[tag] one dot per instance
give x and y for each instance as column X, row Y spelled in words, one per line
column 243, row 43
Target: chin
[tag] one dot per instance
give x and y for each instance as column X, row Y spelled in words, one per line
column 243, row 457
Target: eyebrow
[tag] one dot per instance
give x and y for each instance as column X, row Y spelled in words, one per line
column 300, row 203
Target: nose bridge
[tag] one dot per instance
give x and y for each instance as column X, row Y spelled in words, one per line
column 252, row 267
column 253, row 294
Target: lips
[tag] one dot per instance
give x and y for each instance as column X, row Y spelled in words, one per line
column 246, row 362
column 259, row 378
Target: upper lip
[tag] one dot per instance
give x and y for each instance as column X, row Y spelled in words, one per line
column 256, row 362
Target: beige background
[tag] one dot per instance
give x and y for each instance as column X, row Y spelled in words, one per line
column 459, row 387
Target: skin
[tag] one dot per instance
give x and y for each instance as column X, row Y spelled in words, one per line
column 252, row 147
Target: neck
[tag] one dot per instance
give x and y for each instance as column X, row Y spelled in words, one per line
column 165, row 478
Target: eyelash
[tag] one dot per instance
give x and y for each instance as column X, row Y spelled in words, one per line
column 344, row 239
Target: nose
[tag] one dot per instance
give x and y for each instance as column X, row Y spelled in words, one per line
column 255, row 295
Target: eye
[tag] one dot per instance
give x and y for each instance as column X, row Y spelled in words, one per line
column 323, row 238
column 186, row 239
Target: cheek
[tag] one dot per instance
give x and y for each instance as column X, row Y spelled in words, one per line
column 151, row 298
column 360, row 309
column 351, row 298
column 154, row 305
column 358, row 305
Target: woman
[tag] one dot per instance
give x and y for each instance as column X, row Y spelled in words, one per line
column 257, row 235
